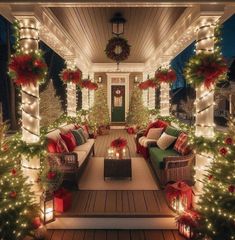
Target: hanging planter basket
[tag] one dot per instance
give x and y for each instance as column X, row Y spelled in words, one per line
column 165, row 75
column 71, row 76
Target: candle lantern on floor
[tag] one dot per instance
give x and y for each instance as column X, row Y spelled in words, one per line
column 47, row 207
column 179, row 196
column 187, row 223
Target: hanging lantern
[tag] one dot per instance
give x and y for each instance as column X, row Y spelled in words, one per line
column 47, row 207
column 179, row 196
column 118, row 24
column 187, row 223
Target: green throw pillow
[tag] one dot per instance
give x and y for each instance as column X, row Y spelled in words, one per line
column 79, row 136
column 172, row 131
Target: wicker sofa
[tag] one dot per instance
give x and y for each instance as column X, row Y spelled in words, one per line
column 168, row 165
column 72, row 164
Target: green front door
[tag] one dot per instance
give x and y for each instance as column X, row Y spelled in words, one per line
column 117, row 103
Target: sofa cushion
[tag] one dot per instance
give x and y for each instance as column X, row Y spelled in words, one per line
column 154, row 133
column 156, row 124
column 65, row 129
column 51, row 145
column 157, row 156
column 79, row 136
column 69, row 140
column 86, row 147
column 81, row 157
column 165, row 141
column 144, row 141
column 61, row 146
column 85, row 130
column 172, row 131
column 54, row 135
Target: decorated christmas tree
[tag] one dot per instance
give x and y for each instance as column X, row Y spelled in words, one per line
column 50, row 105
column 217, row 203
column 18, row 212
column 138, row 113
column 99, row 113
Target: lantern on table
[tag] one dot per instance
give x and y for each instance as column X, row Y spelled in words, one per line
column 179, row 196
column 47, row 207
column 187, row 223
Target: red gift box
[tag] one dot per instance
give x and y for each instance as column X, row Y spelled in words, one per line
column 62, row 200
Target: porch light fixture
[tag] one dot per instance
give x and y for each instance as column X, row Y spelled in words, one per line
column 118, row 23
column 99, row 79
column 136, row 80
column 47, row 207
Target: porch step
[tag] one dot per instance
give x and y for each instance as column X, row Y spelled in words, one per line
column 113, row 223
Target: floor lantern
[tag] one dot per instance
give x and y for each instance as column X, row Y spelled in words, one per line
column 187, row 223
column 47, row 207
column 179, row 196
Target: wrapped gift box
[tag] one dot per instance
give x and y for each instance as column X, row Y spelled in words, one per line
column 62, row 200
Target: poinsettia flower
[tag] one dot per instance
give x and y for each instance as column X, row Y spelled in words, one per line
column 223, row 151
column 228, row 140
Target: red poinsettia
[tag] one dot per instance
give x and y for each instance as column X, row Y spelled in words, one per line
column 27, row 69
column 223, row 151
column 51, row 175
column 147, row 84
column 164, row 75
column 228, row 141
column 119, row 143
column 89, row 85
column 69, row 75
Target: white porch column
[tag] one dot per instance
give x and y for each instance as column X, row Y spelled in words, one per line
column 204, row 98
column 151, row 94
column 85, row 95
column 28, row 41
column 145, row 93
column 91, row 94
column 71, row 93
column 165, row 95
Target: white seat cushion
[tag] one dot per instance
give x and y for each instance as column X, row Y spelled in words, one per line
column 86, row 146
column 165, row 141
column 81, row 156
column 54, row 135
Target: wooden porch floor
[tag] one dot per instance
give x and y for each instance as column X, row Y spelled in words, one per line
column 118, row 203
column 113, row 235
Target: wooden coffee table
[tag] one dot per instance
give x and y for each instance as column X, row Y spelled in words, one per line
column 117, row 168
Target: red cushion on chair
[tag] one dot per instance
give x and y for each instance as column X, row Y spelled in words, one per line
column 51, row 145
column 156, row 124
column 61, row 146
column 69, row 140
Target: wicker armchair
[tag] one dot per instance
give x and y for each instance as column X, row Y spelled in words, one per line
column 174, row 168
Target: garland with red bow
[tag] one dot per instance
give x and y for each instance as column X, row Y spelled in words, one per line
column 26, row 69
column 205, row 68
column 165, row 75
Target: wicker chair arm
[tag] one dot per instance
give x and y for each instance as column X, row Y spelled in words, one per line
column 178, row 161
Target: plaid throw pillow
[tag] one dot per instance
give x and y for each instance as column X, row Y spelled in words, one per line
column 79, row 136
column 181, row 145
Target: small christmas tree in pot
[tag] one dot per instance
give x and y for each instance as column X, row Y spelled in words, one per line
column 99, row 113
column 138, row 115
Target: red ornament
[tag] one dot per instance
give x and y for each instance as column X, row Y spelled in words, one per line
column 223, row 151
column 13, row 171
column 36, row 222
column 27, row 69
column 228, row 141
column 231, row 188
column 12, row 194
column 119, row 143
column 210, row 177
column 51, row 175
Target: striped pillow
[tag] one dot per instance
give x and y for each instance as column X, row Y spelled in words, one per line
column 79, row 136
column 181, row 145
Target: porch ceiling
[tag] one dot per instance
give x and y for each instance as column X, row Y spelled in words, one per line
column 90, row 29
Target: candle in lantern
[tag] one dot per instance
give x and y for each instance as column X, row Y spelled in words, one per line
column 117, row 155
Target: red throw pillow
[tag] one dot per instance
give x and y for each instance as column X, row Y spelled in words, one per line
column 181, row 144
column 51, row 145
column 61, row 146
column 69, row 140
column 156, row 124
